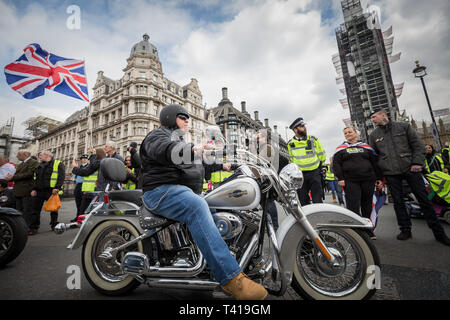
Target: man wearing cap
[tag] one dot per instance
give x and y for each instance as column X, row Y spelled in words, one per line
column 307, row 152
column 401, row 157
column 84, row 159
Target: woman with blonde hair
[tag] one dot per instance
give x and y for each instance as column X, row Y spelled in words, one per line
column 355, row 165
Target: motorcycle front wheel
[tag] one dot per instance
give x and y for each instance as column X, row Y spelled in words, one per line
column 352, row 277
column 105, row 276
column 13, row 238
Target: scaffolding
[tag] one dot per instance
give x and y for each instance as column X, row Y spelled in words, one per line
column 362, row 64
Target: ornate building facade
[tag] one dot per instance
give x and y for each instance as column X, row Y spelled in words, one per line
column 126, row 109
column 238, row 125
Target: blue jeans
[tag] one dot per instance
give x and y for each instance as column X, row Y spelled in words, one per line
column 180, row 203
column 335, row 187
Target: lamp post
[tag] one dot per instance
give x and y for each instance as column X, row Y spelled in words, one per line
column 420, row 72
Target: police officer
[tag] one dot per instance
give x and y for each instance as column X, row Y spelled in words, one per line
column 307, row 152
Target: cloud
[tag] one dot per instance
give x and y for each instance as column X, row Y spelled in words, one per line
column 275, row 55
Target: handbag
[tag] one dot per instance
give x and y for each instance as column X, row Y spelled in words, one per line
column 53, row 203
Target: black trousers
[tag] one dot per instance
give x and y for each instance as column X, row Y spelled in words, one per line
column 42, row 196
column 86, row 200
column 359, row 196
column 312, row 182
column 26, row 206
column 78, row 197
column 415, row 181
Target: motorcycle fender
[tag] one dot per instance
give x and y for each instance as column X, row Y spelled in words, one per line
column 10, row 212
column 95, row 219
column 319, row 215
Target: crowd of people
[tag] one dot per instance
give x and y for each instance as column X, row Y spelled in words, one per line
column 393, row 154
column 29, row 185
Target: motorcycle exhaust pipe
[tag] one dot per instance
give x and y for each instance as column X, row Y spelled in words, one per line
column 60, row 228
column 174, row 283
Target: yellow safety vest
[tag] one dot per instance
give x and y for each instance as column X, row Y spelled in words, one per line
column 90, row 182
column 329, row 175
column 437, row 158
column 130, row 184
column 54, row 176
column 205, row 185
column 307, row 158
column 440, row 183
column 219, row 176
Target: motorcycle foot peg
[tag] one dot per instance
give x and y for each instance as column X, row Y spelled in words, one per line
column 135, row 263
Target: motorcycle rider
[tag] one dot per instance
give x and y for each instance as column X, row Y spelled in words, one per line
column 172, row 179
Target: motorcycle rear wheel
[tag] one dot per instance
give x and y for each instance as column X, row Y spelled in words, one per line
column 314, row 279
column 105, row 276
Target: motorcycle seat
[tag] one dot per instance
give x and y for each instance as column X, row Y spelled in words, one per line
column 133, row 196
column 149, row 220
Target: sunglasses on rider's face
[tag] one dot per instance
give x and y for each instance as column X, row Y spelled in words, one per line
column 182, row 117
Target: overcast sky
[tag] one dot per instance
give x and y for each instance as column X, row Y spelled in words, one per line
column 275, row 55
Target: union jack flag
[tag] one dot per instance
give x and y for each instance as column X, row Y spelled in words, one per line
column 37, row 70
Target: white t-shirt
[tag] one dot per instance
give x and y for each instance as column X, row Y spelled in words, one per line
column 5, row 169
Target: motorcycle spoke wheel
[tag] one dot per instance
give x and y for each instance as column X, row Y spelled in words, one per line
column 106, row 276
column 316, row 278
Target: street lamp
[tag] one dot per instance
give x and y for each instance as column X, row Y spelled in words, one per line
column 420, row 72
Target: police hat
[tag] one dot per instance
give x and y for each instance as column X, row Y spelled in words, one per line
column 296, row 123
column 84, row 156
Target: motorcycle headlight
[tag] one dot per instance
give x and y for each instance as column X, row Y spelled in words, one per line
column 291, row 177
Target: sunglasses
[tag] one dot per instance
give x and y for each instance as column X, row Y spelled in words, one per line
column 182, row 117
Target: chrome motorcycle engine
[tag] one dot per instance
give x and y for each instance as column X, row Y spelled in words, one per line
column 229, row 225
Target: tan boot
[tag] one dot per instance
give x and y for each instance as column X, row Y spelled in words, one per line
column 334, row 198
column 242, row 288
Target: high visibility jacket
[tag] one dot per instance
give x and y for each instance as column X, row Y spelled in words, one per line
column 440, row 183
column 435, row 158
column 90, row 182
column 130, row 184
column 445, row 153
column 205, row 185
column 219, row 176
column 54, row 176
column 329, row 175
column 306, row 153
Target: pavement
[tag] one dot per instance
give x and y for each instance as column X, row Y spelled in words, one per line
column 416, row 269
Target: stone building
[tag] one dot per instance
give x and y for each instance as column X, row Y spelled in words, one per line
column 237, row 125
column 126, row 109
column 425, row 131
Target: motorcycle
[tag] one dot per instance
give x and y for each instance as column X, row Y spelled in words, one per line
column 13, row 234
column 323, row 251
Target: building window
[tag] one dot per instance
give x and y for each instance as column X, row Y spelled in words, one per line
column 118, row 133
column 125, row 131
column 141, row 107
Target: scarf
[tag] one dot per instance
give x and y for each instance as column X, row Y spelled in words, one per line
column 359, row 144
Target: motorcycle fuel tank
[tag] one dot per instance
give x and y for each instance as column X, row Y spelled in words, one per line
column 240, row 194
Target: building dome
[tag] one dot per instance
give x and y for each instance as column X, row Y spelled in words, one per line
column 144, row 47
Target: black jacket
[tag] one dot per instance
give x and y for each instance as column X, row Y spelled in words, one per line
column 398, row 147
column 167, row 159
column 356, row 164
column 43, row 174
column 93, row 166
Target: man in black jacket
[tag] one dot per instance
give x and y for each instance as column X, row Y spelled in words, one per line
column 401, row 156
column 48, row 179
column 172, row 181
